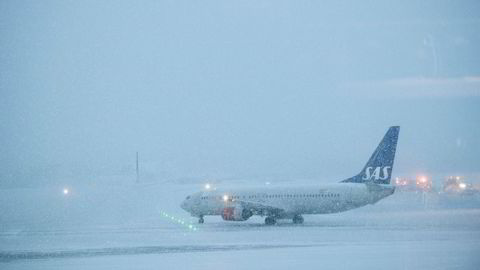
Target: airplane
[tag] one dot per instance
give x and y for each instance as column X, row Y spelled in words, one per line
column 367, row 187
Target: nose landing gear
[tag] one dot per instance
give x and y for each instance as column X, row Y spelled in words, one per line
column 297, row 219
column 201, row 220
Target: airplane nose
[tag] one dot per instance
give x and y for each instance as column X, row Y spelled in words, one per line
column 183, row 205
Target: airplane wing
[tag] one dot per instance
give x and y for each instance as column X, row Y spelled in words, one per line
column 261, row 208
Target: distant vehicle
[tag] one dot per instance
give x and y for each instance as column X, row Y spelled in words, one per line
column 421, row 184
column 456, row 185
column 369, row 186
column 424, row 184
column 405, row 184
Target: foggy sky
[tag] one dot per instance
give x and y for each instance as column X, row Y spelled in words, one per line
column 252, row 88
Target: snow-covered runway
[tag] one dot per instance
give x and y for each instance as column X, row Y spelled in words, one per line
column 394, row 234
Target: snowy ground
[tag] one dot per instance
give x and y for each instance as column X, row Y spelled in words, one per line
column 132, row 227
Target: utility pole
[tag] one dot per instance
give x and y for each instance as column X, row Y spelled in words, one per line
column 137, row 170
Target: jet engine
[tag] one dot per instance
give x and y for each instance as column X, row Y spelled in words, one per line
column 237, row 213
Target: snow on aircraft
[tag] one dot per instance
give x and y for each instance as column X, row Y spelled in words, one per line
column 368, row 187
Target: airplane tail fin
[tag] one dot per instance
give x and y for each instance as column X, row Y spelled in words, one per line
column 379, row 167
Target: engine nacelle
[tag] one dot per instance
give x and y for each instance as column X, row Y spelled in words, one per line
column 236, row 213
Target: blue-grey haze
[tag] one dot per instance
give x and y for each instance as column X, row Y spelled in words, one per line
column 235, row 89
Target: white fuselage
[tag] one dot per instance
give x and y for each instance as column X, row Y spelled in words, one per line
column 315, row 199
column 370, row 185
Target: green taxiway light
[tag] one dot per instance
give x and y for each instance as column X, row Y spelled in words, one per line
column 179, row 221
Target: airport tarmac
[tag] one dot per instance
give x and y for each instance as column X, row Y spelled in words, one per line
column 391, row 234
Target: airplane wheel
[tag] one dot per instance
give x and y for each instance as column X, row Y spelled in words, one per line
column 298, row 219
column 270, row 221
column 200, row 220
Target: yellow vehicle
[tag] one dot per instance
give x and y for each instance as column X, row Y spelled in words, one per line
column 457, row 185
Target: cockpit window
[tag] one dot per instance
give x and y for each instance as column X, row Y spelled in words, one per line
column 188, row 197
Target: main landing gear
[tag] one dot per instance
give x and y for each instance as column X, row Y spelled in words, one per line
column 201, row 220
column 270, row 221
column 297, row 219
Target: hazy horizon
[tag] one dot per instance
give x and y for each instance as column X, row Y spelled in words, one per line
column 222, row 90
